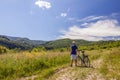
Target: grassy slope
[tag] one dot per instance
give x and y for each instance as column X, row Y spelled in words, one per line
column 110, row 69
column 106, row 65
column 26, row 64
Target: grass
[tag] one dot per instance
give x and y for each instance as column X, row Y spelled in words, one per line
column 111, row 66
column 16, row 65
column 108, row 68
column 25, row 64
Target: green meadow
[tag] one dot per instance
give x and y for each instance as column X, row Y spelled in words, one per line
column 15, row 66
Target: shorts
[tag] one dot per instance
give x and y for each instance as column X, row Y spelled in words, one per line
column 73, row 57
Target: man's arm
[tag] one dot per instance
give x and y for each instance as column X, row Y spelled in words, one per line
column 70, row 50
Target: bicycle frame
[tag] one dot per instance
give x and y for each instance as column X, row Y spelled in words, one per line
column 85, row 60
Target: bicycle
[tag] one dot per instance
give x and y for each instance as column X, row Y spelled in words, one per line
column 84, row 60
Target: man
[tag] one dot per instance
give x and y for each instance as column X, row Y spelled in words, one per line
column 73, row 53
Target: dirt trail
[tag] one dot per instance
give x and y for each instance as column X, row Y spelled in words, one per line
column 75, row 73
column 79, row 73
column 95, row 75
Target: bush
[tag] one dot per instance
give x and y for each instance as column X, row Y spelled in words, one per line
column 3, row 49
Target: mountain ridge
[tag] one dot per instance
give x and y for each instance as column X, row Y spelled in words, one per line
column 18, row 42
column 26, row 43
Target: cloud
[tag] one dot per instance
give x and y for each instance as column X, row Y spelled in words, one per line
column 94, row 31
column 85, row 24
column 87, row 19
column 43, row 4
column 91, row 18
column 63, row 14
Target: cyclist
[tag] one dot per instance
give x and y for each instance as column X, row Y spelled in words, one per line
column 73, row 53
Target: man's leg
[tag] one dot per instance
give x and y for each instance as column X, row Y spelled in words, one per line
column 71, row 62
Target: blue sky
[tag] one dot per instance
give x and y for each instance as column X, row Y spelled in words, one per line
column 56, row 19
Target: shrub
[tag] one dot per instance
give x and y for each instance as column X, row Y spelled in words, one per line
column 3, row 49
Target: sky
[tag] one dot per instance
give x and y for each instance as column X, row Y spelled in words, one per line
column 91, row 20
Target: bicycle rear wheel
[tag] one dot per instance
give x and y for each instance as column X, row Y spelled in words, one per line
column 87, row 62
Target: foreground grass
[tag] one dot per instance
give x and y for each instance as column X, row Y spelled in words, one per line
column 80, row 72
column 106, row 65
column 110, row 68
column 26, row 64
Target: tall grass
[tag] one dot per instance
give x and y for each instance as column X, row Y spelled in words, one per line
column 25, row 64
column 111, row 64
column 16, row 65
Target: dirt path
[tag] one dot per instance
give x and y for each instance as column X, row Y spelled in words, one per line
column 79, row 73
column 75, row 73
column 95, row 75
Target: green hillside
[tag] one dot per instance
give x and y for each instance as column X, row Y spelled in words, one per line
column 19, row 43
column 27, row 44
column 61, row 43
column 82, row 44
column 4, row 41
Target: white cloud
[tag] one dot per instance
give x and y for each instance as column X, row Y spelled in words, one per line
column 63, row 14
column 43, row 4
column 94, row 31
column 91, row 18
column 88, row 19
column 85, row 24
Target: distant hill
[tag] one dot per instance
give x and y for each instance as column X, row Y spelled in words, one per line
column 25, row 43
column 61, row 43
column 66, row 43
column 18, row 42
column 26, row 40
